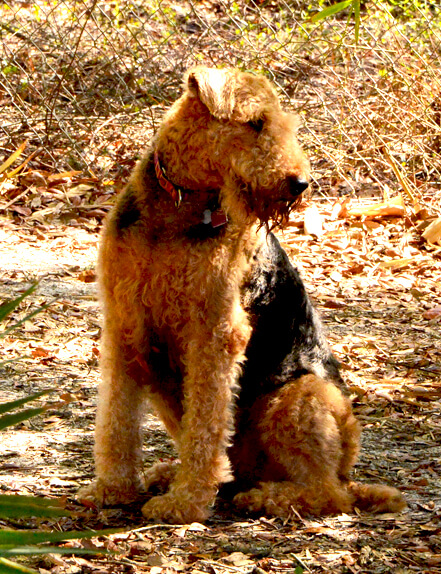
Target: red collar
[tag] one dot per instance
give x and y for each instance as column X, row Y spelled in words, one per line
column 215, row 218
column 176, row 193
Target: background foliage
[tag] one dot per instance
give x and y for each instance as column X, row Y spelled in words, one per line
column 85, row 82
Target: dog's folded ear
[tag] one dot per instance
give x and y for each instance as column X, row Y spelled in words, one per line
column 215, row 88
column 231, row 95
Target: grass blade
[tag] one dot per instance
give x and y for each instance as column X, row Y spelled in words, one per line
column 12, row 405
column 331, row 10
column 20, row 358
column 18, row 323
column 13, row 157
column 8, row 306
column 356, row 8
column 23, row 537
column 11, row 420
column 32, row 550
column 8, row 567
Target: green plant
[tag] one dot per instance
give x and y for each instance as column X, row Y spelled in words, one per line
column 10, row 305
column 8, row 419
column 22, row 542
column 354, row 6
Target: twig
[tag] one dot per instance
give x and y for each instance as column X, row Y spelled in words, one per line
column 401, row 178
column 155, row 526
column 19, row 196
column 15, row 32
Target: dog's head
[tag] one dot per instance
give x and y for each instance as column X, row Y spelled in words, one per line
column 234, row 135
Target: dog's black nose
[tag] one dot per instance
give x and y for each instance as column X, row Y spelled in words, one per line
column 297, row 185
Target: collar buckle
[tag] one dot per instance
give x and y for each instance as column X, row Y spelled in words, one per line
column 175, row 193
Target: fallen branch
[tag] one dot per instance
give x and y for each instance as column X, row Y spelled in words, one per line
column 403, row 180
column 394, row 206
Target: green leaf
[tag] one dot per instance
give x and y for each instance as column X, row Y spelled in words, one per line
column 30, row 550
column 331, row 10
column 8, row 306
column 11, row 420
column 23, row 537
column 23, row 506
column 12, row 405
column 8, row 567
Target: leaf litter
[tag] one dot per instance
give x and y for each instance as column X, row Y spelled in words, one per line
column 375, row 278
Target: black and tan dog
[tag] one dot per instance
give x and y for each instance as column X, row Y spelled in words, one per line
column 201, row 304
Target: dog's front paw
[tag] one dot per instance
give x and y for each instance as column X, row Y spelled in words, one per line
column 174, row 510
column 159, row 477
column 101, row 493
column 250, row 501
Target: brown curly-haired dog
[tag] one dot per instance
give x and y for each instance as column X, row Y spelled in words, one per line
column 184, row 266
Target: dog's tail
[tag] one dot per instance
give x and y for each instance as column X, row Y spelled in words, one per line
column 376, row 497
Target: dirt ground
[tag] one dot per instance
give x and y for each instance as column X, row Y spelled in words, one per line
column 377, row 284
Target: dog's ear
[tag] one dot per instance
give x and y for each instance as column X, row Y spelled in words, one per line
column 215, row 88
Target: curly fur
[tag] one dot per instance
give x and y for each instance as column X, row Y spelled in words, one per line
column 180, row 311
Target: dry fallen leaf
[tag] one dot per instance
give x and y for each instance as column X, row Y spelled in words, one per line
column 193, row 527
column 432, row 313
column 334, row 304
column 312, row 222
column 40, row 352
column 432, row 234
column 396, row 263
column 87, row 276
column 238, row 559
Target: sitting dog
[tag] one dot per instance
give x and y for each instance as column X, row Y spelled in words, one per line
column 203, row 311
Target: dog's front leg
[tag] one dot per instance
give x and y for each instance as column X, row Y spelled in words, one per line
column 212, row 367
column 118, row 439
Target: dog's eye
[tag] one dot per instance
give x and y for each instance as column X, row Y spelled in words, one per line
column 257, row 125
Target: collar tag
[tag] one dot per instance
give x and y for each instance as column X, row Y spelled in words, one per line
column 215, row 218
column 218, row 218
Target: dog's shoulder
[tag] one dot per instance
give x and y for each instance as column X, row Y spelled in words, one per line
column 132, row 202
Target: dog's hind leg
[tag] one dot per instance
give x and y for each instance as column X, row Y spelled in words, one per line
column 287, row 498
column 159, row 476
column 308, row 436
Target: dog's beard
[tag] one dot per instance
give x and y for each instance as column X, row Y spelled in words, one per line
column 274, row 209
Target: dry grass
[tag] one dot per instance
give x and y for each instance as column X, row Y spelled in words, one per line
column 86, row 82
